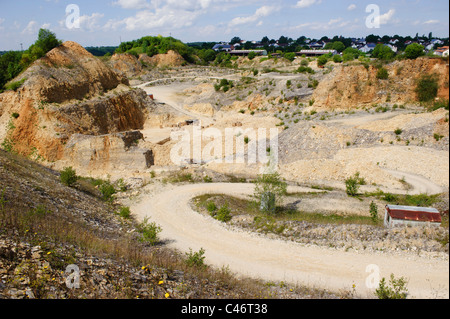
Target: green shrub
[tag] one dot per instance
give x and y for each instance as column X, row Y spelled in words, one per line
column 196, row 259
column 398, row 131
column 107, row 190
column 353, row 183
column 373, row 211
column 382, row 74
column 149, row 232
column 211, row 207
column 223, row 214
column 395, row 290
column 68, row 176
column 13, row 86
column 427, row 87
column 125, row 212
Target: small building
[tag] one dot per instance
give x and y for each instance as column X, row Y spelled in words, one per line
column 247, row 52
column 442, row 51
column 313, row 53
column 396, row 215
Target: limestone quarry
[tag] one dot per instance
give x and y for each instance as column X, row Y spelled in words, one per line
column 121, row 120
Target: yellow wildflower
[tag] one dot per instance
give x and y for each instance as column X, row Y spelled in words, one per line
column 167, row 295
column 161, row 282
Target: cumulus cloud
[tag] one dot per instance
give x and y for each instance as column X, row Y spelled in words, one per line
column 307, row 3
column 260, row 13
column 132, row 4
column 30, row 28
column 351, row 7
column 385, row 18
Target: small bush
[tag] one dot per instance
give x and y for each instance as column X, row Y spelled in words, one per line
column 427, row 88
column 353, row 183
column 373, row 211
column 107, row 190
column 398, row 131
column 382, row 74
column 13, row 86
column 196, row 259
column 223, row 214
column 211, row 207
column 396, row 290
column 68, row 176
column 149, row 232
column 125, row 212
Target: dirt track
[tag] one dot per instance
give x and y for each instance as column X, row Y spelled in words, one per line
column 252, row 255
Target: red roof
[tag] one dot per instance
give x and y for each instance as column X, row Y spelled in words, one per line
column 414, row 214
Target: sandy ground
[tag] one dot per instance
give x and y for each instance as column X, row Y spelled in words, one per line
column 275, row 260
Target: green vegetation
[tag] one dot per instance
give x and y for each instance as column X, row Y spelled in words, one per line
column 196, row 259
column 373, row 211
column 396, row 289
column 13, row 63
column 383, row 52
column 149, row 232
column 224, row 85
column 382, row 74
column 269, row 191
column 125, row 212
column 427, row 87
column 68, row 176
column 223, row 214
column 353, row 183
column 157, row 45
column 413, row 51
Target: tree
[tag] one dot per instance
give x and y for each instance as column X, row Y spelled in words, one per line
column 413, row 51
column 235, row 40
column 383, row 52
column 337, row 58
column 353, row 183
column 269, row 190
column 265, row 40
column 322, row 60
column 427, row 87
column 337, row 45
column 68, row 176
column 47, row 40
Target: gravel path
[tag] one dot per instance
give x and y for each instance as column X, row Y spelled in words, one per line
column 276, row 260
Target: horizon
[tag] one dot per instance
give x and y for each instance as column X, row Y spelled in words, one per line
column 110, row 22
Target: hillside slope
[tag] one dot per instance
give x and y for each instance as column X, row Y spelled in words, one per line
column 68, row 91
column 351, row 86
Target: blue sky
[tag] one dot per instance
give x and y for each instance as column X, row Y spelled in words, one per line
column 106, row 22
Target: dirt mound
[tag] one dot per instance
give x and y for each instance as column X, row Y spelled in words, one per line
column 350, row 86
column 68, row 91
column 126, row 63
column 170, row 59
column 68, row 72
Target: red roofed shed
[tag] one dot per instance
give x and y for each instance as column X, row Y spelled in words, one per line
column 409, row 215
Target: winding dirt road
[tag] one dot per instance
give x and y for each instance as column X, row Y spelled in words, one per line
column 256, row 256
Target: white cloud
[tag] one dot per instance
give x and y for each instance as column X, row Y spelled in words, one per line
column 132, row 4
column 307, row 3
column 30, row 28
column 385, row 18
column 431, row 22
column 351, row 7
column 92, row 22
column 260, row 13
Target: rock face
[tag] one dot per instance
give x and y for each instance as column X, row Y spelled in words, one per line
column 93, row 155
column 356, row 85
column 170, row 59
column 68, row 92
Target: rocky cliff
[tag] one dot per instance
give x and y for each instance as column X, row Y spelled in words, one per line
column 67, row 92
column 350, row 86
